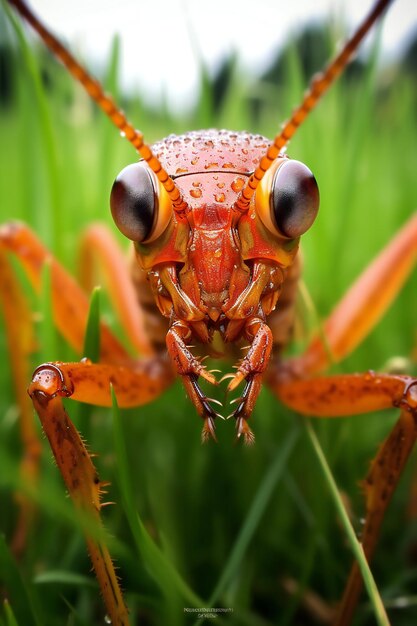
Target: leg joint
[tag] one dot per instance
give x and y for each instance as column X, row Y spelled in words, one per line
column 48, row 381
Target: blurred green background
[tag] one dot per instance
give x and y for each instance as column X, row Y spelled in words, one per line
column 253, row 529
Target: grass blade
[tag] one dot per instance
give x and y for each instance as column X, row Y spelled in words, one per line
column 16, row 589
column 91, row 348
column 10, row 617
column 255, row 514
column 161, row 569
column 50, row 216
column 368, row 579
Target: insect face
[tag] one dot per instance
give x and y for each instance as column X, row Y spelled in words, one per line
column 215, row 268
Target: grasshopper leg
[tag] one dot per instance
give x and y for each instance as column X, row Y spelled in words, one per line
column 80, row 476
column 251, row 369
column 349, row 323
column 135, row 381
column 344, row 395
column 134, row 384
column 190, row 369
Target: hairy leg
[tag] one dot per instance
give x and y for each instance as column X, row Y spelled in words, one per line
column 135, row 382
column 342, row 395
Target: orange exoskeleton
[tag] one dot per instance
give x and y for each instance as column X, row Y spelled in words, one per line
column 252, row 252
column 216, row 219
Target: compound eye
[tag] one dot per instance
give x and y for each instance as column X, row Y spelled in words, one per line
column 139, row 205
column 294, row 199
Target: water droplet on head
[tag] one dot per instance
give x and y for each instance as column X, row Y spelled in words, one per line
column 237, row 184
column 195, row 193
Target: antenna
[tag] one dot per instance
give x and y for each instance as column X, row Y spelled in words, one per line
column 318, row 86
column 106, row 104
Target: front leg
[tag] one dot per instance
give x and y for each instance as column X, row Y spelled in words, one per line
column 190, row 368
column 251, row 368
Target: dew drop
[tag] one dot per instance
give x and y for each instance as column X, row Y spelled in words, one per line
column 107, row 619
column 220, row 185
column 237, row 184
column 195, row 193
column 220, row 197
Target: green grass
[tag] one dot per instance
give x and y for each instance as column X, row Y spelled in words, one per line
column 220, row 524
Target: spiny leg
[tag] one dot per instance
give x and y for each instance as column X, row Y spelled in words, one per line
column 251, row 369
column 190, row 368
column 70, row 308
column 379, row 487
column 83, row 484
column 136, row 382
column 343, row 395
column 351, row 320
column 89, row 382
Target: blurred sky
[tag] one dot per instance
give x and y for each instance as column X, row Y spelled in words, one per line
column 158, row 55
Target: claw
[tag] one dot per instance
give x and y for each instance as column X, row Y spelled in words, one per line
column 208, row 431
column 236, row 400
column 237, row 379
column 226, row 377
column 244, row 429
column 215, row 401
column 207, row 376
